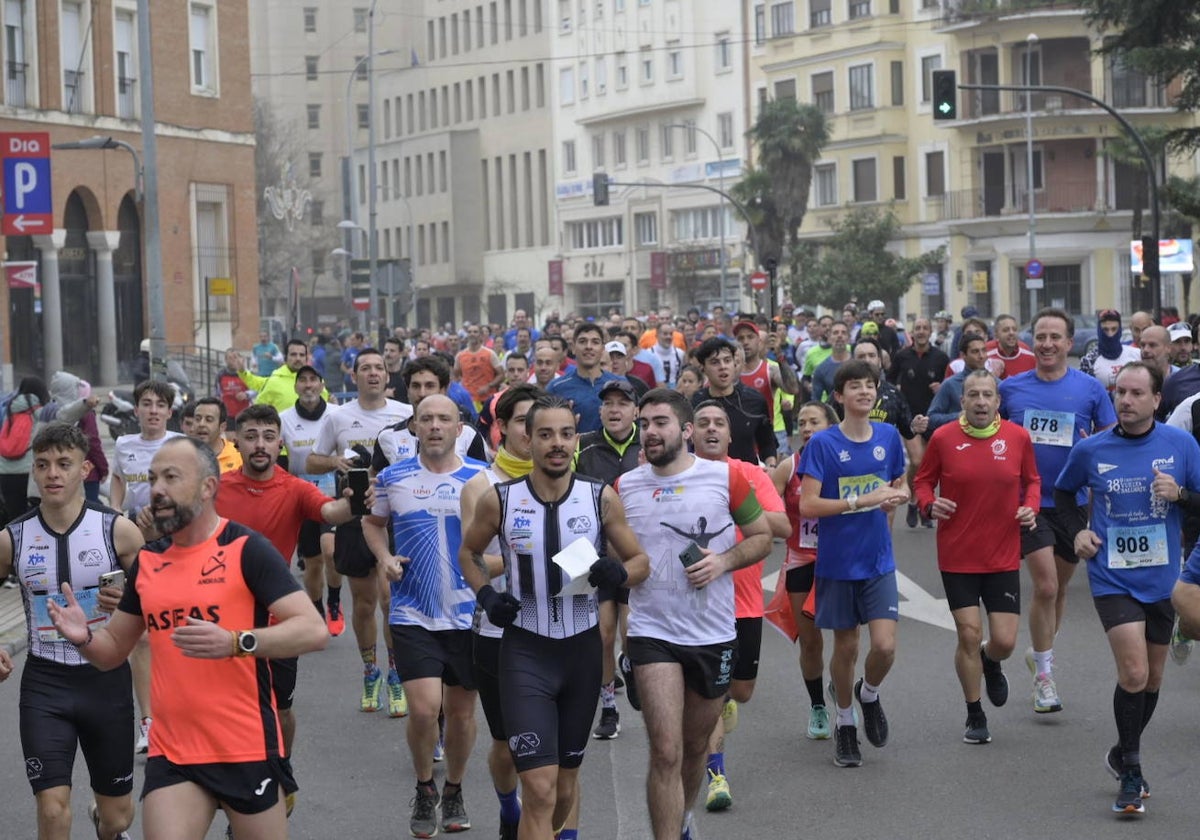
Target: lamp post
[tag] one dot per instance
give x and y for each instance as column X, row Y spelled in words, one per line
column 721, row 221
column 350, row 226
column 106, row 306
column 1030, row 41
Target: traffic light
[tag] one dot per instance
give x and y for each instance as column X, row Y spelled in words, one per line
column 600, row 189
column 945, row 95
column 1150, row 257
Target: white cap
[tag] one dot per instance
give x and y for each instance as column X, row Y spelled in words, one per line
column 1178, row 330
column 875, row 304
column 616, row 347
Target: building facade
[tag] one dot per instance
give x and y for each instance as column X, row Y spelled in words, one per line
column 964, row 184
column 71, row 69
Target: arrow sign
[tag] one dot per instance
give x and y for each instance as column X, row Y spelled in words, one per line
column 944, row 108
column 28, row 200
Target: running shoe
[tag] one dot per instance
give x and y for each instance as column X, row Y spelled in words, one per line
column 977, row 730
column 143, row 739
column 818, row 724
column 1129, row 800
column 454, row 812
column 631, row 692
column 94, row 813
column 609, row 726
column 994, row 680
column 875, row 724
column 1045, row 695
column 729, row 715
column 439, row 749
column 912, row 517
column 397, row 702
column 845, row 750
column 1115, row 765
column 719, row 797
column 424, row 820
column 334, row 620
column 372, row 685
column 1181, row 645
column 618, row 683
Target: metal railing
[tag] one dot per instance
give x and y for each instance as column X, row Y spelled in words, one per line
column 72, row 91
column 126, row 98
column 1002, row 200
column 15, row 87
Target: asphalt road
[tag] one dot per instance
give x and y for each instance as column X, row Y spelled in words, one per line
column 1041, row 777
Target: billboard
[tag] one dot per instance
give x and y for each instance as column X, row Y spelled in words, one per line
column 1174, row 256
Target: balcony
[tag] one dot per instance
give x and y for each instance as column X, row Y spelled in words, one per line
column 1006, row 201
column 16, row 84
column 72, row 91
column 957, row 11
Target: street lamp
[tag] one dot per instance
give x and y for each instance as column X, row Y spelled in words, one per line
column 721, row 221
column 101, row 142
column 349, row 227
column 1030, row 41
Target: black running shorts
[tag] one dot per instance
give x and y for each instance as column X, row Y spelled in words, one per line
column 1124, row 609
column 749, row 643
column 309, row 543
column 1050, row 531
column 999, row 591
column 439, row 654
column 351, row 557
column 707, row 669
column 248, row 787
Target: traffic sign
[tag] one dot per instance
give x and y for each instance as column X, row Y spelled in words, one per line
column 28, row 200
column 1034, row 269
column 758, row 281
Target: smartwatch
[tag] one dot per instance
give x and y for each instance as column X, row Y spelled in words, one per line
column 247, row 643
column 852, row 500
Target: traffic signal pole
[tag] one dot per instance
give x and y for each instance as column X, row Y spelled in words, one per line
column 1151, row 271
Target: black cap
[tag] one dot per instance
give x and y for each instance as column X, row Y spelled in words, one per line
column 621, row 386
column 312, row 370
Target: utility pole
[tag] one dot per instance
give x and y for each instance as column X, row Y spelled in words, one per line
column 153, row 269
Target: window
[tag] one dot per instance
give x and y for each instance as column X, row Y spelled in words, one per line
column 598, row 151
column 564, row 15
column 783, row 18
column 929, row 63
column 316, row 213
column 125, row 39
column 622, row 60
column 16, row 75
column 495, row 16
column 643, row 144
column 760, row 23
column 897, row 82
column 899, row 182
column 595, row 233
column 203, row 44
column 725, row 130
column 312, row 70
column 433, row 244
column 541, row 86
column 442, row 37
column 689, row 137
column 420, row 161
column 466, row 30
column 724, row 57
column 864, row 180
column 674, row 60
column 566, row 86
column 667, row 141
column 822, row 91
column 310, row 19
column 445, row 242
column 364, row 115
column 819, row 13
column 314, row 164
column 860, row 9
column 360, row 19
column 647, row 61
column 74, row 46
column 360, row 68
column 584, row 78
column 210, row 218
column 935, row 173
column 619, row 148
column 318, row 260
column 825, row 183
column 314, row 116
column 700, row 223
column 508, row 20
column 511, row 84
column 568, row 148
column 601, row 75
column 645, row 226
column 862, row 93
column 785, row 89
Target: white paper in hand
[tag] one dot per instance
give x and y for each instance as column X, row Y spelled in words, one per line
column 576, row 562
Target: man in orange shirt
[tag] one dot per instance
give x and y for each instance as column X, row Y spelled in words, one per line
column 205, row 595
column 479, row 368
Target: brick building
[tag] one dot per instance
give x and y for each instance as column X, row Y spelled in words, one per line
column 71, row 69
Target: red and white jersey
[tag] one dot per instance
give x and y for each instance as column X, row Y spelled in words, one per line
column 759, row 380
column 1021, row 361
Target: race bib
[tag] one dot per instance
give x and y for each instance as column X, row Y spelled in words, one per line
column 858, row 485
column 1135, row 547
column 1051, row 428
column 42, row 625
column 808, row 533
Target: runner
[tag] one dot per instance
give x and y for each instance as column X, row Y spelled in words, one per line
column 1105, row 360
column 856, row 468
column 431, row 606
column 550, row 653
column 66, row 704
column 749, row 413
column 974, row 473
column 1059, row 407
column 1136, row 474
column 682, row 629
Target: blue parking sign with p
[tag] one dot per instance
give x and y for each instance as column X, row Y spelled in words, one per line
column 27, row 185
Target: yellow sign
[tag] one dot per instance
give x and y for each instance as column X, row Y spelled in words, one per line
column 220, row 286
column 979, row 279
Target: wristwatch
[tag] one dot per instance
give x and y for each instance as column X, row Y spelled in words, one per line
column 852, row 500
column 1183, row 496
column 247, row 643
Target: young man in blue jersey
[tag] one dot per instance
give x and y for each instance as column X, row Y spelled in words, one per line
column 1139, row 475
column 852, row 477
column 1059, row 407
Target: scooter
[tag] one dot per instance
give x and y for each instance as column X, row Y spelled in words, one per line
column 119, row 416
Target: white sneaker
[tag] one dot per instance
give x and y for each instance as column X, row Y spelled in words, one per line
column 1181, row 645
column 143, row 740
column 1045, row 695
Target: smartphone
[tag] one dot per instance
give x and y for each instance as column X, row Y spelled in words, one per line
column 116, row 579
column 359, row 481
column 691, row 555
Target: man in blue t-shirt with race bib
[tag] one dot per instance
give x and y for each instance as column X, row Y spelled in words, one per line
column 1058, row 406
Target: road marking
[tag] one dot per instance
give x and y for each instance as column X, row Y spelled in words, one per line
column 915, row 602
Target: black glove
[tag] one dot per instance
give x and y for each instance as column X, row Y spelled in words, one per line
column 607, row 573
column 501, row 607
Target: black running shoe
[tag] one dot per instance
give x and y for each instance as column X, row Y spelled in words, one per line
column 1115, row 765
column 1129, row 800
column 912, row 517
column 994, row 680
column 845, row 747
column 609, row 726
column 875, row 723
column 977, row 730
